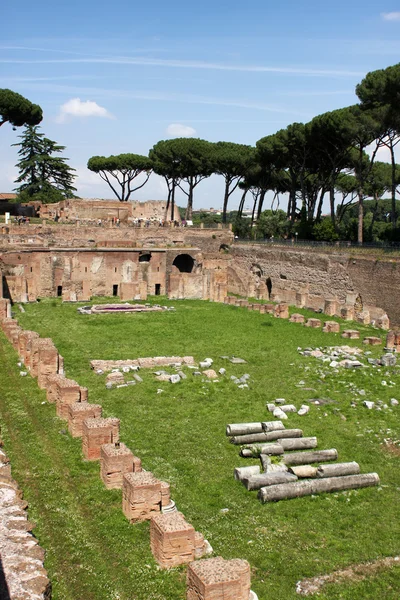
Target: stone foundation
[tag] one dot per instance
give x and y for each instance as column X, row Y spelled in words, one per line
column 95, row 433
column 141, row 496
column 218, row 579
column 297, row 318
column 351, row 334
column 313, row 323
column 372, row 341
column 116, row 460
column 78, row 413
column 331, row 327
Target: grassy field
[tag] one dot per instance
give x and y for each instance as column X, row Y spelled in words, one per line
column 93, row 553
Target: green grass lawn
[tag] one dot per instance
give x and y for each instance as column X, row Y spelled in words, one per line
column 93, row 553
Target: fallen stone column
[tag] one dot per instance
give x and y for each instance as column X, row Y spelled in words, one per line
column 241, row 472
column 243, row 428
column 338, row 469
column 116, row 460
column 303, row 458
column 304, row 471
column 218, row 579
column 95, row 433
column 305, row 443
column 267, row 436
column 255, row 482
column 78, row 413
column 308, row 487
column 254, row 451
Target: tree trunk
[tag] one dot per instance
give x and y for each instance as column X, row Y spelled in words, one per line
column 268, row 436
column 339, row 469
column 226, row 199
column 189, row 208
column 254, row 209
column 305, row 443
column 173, row 201
column 393, row 211
column 255, row 482
column 360, row 216
column 244, row 428
column 241, row 472
column 332, row 205
column 320, row 203
column 298, row 489
column 260, row 203
column 257, row 449
column 303, row 458
column 241, row 204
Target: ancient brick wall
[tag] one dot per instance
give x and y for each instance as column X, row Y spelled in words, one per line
column 284, row 274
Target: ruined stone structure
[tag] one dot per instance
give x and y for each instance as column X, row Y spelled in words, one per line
column 79, row 261
column 95, row 209
column 76, row 263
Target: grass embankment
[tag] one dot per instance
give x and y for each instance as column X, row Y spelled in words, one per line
column 92, row 551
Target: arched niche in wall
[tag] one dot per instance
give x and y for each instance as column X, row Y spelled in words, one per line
column 184, row 263
column 145, row 257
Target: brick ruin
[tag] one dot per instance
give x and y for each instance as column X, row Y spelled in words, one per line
column 173, row 540
column 78, row 261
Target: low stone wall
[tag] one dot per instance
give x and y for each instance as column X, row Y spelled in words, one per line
column 21, row 556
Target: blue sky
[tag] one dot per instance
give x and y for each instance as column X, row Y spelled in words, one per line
column 115, row 77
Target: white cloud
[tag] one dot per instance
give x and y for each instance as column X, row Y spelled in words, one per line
column 391, row 16
column 179, row 130
column 80, row 108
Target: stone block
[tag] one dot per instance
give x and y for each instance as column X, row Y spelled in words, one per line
column 383, row 322
column 256, row 307
column 68, row 392
column 301, row 299
column 363, row 317
column 116, row 460
column 78, row 413
column 172, row 540
column 297, row 318
column 115, row 378
column 51, row 387
column 95, row 433
column 347, row 313
column 4, row 302
column 390, row 339
column 165, row 493
column 314, row 323
column 330, row 307
column 331, row 327
column 372, row 341
column 141, row 496
column 25, row 345
column 218, row 579
column 282, row 311
column 250, row 306
column 351, row 334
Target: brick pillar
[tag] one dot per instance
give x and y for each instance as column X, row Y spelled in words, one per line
column 390, row 339
column 330, row 307
column 25, row 345
column 347, row 313
column 116, row 460
column 78, row 413
column 52, row 388
column 282, row 311
column 218, row 579
column 68, row 392
column 95, row 433
column 141, row 496
column 44, row 357
column 3, row 306
column 172, row 540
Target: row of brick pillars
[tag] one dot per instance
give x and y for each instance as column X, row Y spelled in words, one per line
column 173, row 540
